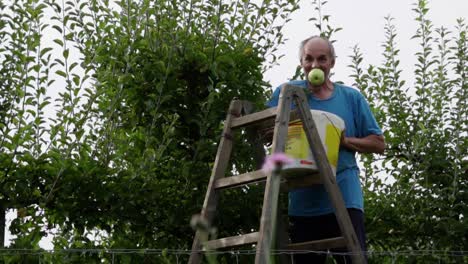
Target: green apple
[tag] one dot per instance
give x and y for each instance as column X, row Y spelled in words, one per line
column 316, row 77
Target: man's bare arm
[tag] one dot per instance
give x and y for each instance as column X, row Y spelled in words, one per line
column 369, row 144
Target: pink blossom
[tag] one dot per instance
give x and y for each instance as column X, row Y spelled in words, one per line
column 274, row 161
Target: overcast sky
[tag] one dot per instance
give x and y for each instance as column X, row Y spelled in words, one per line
column 363, row 24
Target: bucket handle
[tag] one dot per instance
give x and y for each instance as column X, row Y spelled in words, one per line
column 335, row 126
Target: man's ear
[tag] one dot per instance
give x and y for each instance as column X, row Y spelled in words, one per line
column 333, row 63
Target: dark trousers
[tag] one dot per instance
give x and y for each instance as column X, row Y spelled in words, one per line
column 303, row 229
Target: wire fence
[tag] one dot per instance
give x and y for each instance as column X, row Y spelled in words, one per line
column 113, row 256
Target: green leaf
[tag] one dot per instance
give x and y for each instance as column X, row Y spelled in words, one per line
column 57, row 28
column 58, row 41
column 61, row 73
column 66, row 53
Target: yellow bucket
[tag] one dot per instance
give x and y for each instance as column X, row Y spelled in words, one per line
column 329, row 127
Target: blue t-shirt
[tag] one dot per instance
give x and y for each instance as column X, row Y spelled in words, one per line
column 349, row 104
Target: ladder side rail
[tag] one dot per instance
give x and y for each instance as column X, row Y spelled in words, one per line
column 326, row 175
column 272, row 187
column 219, row 169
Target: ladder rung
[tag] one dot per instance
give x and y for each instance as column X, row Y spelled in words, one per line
column 262, row 116
column 292, row 181
column 249, row 119
column 232, row 241
column 242, row 179
column 335, row 242
column 300, row 181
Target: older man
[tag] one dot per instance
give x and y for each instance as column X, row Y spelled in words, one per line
column 310, row 211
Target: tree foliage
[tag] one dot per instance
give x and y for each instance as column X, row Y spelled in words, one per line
column 121, row 157
column 415, row 197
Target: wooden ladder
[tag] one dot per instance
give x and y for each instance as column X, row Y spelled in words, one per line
column 266, row 239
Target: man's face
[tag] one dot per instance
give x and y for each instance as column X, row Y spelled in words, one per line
column 316, row 54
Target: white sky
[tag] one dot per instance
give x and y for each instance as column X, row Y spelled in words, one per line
column 363, row 24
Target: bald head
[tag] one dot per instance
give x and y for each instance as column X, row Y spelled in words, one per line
column 318, row 39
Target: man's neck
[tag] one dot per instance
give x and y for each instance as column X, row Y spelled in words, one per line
column 324, row 91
